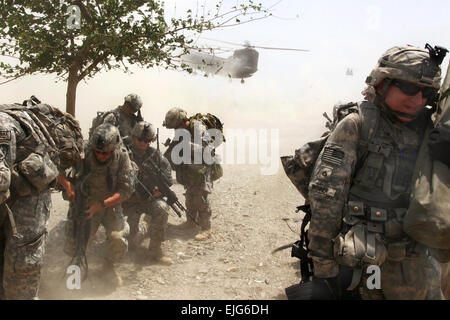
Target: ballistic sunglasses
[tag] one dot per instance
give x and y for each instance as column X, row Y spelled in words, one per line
column 410, row 89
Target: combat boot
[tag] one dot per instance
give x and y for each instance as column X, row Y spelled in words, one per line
column 155, row 254
column 109, row 273
column 135, row 240
column 203, row 235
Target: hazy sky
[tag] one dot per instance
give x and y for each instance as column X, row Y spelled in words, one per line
column 291, row 90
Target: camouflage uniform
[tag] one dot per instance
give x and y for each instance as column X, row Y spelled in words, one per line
column 41, row 147
column 196, row 178
column 350, row 174
column 157, row 211
column 102, row 180
column 121, row 119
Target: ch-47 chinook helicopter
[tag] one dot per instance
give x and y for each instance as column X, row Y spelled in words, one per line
column 242, row 64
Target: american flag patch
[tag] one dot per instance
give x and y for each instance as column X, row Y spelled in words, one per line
column 333, row 156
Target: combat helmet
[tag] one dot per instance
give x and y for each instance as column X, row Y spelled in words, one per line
column 106, row 138
column 174, row 117
column 408, row 63
column 144, row 131
column 134, row 101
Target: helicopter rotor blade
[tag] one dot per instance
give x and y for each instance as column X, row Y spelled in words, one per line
column 259, row 47
column 274, row 48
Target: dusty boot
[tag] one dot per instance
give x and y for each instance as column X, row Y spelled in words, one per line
column 203, row 235
column 155, row 254
column 110, row 274
column 135, row 240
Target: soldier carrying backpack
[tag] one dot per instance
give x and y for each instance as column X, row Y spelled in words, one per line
column 203, row 132
column 357, row 181
column 123, row 117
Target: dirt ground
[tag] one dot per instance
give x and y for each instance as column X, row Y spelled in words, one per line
column 252, row 215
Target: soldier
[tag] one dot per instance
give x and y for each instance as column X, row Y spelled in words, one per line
column 107, row 177
column 37, row 144
column 359, row 190
column 196, row 178
column 156, row 211
column 123, row 117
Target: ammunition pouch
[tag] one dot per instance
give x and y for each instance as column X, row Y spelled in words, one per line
column 362, row 243
column 39, row 170
column 191, row 173
column 216, row 171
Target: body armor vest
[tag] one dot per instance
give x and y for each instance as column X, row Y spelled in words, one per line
column 100, row 179
column 382, row 181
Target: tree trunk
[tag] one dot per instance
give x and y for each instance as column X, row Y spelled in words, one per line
column 72, row 84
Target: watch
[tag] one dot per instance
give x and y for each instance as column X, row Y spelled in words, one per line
column 103, row 204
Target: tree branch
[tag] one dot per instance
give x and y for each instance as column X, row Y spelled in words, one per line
column 15, row 78
column 93, row 65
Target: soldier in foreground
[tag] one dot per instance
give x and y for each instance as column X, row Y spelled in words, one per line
column 106, row 178
column 360, row 187
column 123, row 117
column 197, row 179
column 37, row 144
column 155, row 209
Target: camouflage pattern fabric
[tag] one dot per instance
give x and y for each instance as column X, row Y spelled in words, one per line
column 193, row 176
column 116, row 229
column 196, row 179
column 102, row 180
column 134, row 101
column 105, row 138
column 122, row 120
column 198, row 207
column 155, row 220
column 5, row 178
column 174, row 117
column 445, row 279
column 105, row 179
column 23, row 260
column 335, row 181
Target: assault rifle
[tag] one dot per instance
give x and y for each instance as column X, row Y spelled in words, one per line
column 160, row 180
column 163, row 183
column 81, row 227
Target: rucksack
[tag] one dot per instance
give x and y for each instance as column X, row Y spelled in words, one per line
column 210, row 121
column 299, row 167
column 428, row 217
column 101, row 115
column 100, row 118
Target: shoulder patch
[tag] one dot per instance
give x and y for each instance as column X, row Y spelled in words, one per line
column 333, row 156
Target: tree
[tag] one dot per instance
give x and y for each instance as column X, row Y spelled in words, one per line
column 77, row 39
